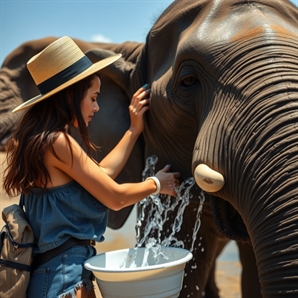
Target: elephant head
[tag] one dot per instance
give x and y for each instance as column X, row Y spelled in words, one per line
column 224, row 97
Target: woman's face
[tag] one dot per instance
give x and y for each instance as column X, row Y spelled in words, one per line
column 89, row 104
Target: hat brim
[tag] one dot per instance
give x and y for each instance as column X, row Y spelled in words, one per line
column 91, row 70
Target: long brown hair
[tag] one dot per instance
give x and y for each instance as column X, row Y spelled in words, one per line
column 36, row 132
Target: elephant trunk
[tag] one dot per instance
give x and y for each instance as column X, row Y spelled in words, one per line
column 262, row 186
column 274, row 237
column 256, row 153
column 265, row 193
column 270, row 213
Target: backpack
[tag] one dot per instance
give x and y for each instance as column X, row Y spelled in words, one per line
column 17, row 242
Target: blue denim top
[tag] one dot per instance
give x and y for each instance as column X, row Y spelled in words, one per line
column 57, row 213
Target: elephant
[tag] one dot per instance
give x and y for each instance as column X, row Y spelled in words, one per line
column 224, row 90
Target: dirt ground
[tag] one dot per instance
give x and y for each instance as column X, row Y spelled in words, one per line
column 228, row 267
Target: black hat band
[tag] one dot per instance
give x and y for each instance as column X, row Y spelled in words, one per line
column 65, row 75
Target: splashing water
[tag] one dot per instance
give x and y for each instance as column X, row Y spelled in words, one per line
column 154, row 211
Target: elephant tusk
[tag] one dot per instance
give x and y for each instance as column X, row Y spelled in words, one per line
column 208, row 179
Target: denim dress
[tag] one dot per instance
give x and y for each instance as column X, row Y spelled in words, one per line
column 55, row 215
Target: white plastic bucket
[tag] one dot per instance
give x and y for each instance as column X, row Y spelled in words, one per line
column 139, row 272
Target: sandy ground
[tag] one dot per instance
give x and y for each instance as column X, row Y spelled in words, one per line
column 228, row 267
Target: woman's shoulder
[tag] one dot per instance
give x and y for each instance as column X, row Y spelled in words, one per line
column 63, row 138
column 67, row 155
column 62, row 158
column 64, row 142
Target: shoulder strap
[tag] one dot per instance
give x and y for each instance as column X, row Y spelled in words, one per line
column 42, row 258
column 20, row 245
column 21, row 202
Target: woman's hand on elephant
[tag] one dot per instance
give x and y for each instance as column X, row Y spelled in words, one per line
column 138, row 106
column 168, row 181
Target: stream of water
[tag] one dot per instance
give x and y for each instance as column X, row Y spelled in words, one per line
column 154, row 212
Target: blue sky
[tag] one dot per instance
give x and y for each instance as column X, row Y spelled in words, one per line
column 97, row 20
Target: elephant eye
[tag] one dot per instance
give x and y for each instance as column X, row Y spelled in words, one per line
column 188, row 81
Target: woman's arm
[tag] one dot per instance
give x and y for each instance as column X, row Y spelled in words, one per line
column 114, row 162
column 86, row 172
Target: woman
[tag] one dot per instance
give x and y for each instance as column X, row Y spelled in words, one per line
column 65, row 192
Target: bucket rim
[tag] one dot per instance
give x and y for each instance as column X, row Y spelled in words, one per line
column 188, row 256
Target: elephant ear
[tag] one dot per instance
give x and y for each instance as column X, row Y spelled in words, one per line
column 10, row 97
column 17, row 85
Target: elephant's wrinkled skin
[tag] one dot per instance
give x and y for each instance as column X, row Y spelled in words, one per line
column 225, row 88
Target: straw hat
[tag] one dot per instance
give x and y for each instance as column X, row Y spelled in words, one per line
column 58, row 66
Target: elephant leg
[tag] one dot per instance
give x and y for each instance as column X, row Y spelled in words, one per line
column 250, row 284
column 211, row 289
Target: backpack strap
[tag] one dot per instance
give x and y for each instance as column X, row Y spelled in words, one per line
column 42, row 258
column 7, row 236
column 15, row 265
column 16, row 245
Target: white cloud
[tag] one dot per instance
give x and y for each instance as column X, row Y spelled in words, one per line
column 100, row 38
